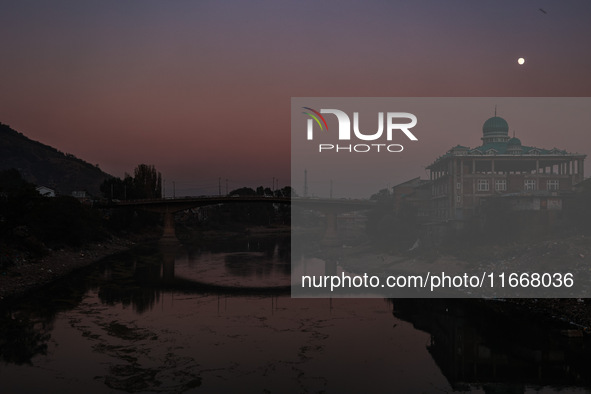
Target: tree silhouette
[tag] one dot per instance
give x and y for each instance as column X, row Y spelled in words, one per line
column 147, row 182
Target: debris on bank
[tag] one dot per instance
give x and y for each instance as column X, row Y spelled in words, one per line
column 26, row 273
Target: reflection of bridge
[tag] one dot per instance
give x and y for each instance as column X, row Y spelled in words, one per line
column 329, row 207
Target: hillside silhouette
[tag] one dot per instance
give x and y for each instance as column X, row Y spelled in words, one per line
column 44, row 165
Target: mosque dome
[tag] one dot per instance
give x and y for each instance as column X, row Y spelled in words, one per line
column 514, row 141
column 514, row 146
column 495, row 125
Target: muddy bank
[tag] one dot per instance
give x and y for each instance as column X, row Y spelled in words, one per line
column 29, row 273
column 550, row 255
column 576, row 312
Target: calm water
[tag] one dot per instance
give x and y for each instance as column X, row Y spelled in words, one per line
column 217, row 318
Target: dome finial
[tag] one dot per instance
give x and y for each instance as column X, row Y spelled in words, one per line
column 495, row 110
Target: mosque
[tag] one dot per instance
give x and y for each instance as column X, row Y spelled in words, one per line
column 530, row 178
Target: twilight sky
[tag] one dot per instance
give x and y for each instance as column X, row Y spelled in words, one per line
column 202, row 89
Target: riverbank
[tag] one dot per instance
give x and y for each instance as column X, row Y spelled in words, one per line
column 27, row 273
column 548, row 255
column 574, row 312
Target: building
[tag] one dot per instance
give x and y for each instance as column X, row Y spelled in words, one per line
column 45, row 191
column 79, row 194
column 531, row 178
column 415, row 192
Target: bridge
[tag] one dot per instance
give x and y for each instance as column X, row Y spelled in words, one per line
column 169, row 206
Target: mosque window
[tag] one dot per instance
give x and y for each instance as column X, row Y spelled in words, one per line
column 500, row 185
column 483, row 185
column 553, row 184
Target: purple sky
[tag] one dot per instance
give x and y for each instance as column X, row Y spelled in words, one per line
column 201, row 89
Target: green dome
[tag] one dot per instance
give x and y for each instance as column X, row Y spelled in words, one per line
column 514, row 141
column 496, row 125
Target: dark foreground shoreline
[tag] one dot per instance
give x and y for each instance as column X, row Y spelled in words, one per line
column 27, row 276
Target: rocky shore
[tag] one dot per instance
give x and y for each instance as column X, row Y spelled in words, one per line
column 549, row 255
column 575, row 312
column 26, row 273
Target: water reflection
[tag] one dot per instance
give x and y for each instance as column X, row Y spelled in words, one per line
column 253, row 263
column 178, row 318
column 493, row 345
column 22, row 338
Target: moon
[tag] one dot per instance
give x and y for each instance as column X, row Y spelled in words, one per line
column 521, row 61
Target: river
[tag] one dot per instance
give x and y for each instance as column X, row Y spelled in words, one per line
column 216, row 316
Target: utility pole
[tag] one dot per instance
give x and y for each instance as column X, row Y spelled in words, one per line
column 305, row 183
column 226, row 186
column 220, row 186
column 164, row 188
column 173, row 190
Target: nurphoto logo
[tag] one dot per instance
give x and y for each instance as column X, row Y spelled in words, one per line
column 391, row 124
